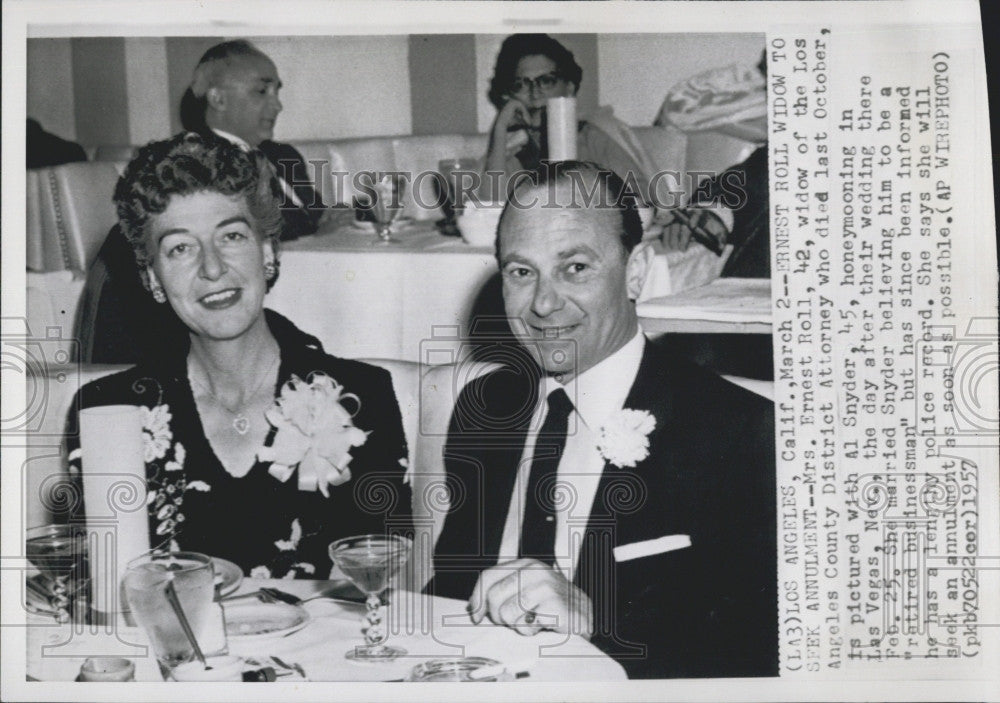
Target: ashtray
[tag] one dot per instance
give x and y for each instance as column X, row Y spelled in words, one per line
column 460, row 669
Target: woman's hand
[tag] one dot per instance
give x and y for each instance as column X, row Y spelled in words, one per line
column 514, row 113
column 504, row 143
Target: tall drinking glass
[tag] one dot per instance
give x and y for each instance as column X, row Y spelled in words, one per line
column 193, row 578
column 370, row 561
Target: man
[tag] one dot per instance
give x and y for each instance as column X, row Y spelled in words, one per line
column 234, row 94
column 625, row 494
column 730, row 207
column 43, row 148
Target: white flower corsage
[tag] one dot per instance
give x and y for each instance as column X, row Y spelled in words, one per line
column 315, row 433
column 624, row 438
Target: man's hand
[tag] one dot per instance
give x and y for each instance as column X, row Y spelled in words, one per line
column 528, row 596
column 677, row 233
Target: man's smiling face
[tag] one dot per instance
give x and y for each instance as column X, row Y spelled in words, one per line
column 566, row 275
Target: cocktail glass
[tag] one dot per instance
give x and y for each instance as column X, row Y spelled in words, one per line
column 59, row 552
column 193, row 579
column 370, row 561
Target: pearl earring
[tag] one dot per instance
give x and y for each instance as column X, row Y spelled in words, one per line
column 270, row 270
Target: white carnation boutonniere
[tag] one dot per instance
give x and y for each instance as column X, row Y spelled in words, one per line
column 624, row 439
column 315, row 433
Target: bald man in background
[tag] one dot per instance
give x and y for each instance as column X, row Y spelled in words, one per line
column 234, row 94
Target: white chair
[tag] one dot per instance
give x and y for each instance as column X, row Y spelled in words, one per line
column 70, row 211
column 52, row 303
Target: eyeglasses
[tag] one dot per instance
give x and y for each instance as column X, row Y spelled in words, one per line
column 544, row 82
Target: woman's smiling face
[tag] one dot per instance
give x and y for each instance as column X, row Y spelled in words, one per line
column 209, row 259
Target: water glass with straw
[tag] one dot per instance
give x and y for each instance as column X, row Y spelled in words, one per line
column 158, row 586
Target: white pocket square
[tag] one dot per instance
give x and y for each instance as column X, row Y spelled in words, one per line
column 649, row 547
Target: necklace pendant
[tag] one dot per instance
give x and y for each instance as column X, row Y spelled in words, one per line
column 241, row 424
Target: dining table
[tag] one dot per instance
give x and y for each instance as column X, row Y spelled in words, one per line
column 426, row 627
column 365, row 299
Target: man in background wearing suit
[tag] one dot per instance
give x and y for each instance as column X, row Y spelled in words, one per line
column 623, row 493
column 233, row 94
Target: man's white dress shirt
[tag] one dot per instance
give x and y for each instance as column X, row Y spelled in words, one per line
column 289, row 191
column 596, row 394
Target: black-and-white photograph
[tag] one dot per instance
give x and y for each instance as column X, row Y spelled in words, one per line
column 522, row 355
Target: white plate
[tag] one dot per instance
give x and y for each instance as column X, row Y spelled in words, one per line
column 253, row 620
column 227, row 574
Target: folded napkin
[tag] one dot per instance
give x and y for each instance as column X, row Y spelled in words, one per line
column 114, row 494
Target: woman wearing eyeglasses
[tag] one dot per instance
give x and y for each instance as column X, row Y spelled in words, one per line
column 530, row 69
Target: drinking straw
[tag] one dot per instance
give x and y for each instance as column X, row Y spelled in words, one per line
column 175, row 603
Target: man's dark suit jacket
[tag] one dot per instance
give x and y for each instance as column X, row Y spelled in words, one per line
column 120, row 323
column 744, row 189
column 708, row 610
column 42, row 148
column 290, row 165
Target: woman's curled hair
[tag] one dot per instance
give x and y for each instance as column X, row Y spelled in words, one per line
column 193, row 163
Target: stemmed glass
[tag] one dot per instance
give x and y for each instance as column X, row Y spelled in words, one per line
column 449, row 191
column 59, row 552
column 386, row 206
column 370, row 561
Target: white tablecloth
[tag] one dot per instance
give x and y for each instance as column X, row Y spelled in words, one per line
column 425, row 627
column 396, row 301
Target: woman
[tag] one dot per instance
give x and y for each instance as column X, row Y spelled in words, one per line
column 530, row 69
column 229, row 472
